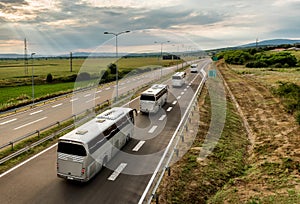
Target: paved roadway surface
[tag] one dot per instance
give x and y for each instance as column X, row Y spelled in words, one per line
column 36, row 181
column 17, row 125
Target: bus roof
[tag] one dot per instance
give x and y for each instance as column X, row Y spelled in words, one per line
column 97, row 125
column 179, row 74
column 155, row 89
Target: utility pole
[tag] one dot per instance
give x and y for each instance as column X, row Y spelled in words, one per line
column 256, row 44
column 71, row 62
column 25, row 57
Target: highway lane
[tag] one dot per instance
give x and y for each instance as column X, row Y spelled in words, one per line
column 36, row 181
column 17, row 125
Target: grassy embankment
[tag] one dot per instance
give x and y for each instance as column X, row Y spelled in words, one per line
column 192, row 181
column 231, row 174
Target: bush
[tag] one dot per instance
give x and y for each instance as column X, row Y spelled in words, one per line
column 256, row 64
column 49, row 78
column 290, row 93
column 113, row 68
column 298, row 117
column 83, row 76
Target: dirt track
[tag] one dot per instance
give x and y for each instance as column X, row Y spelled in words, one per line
column 275, row 159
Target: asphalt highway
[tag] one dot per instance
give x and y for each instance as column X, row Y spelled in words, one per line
column 35, row 181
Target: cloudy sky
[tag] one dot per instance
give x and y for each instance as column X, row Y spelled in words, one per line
column 62, row 26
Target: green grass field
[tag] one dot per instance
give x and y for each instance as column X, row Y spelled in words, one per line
column 15, row 84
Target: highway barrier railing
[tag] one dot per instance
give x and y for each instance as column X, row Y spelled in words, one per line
column 84, row 118
column 150, row 193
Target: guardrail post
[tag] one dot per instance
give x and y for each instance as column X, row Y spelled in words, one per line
column 182, row 137
column 58, row 123
column 156, row 197
column 176, row 152
column 38, row 132
column 186, row 128
column 12, row 145
column 169, row 170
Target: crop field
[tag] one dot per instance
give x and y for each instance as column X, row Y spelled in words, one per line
column 15, row 83
column 269, row 76
column 13, row 70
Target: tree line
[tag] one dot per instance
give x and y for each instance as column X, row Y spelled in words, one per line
column 258, row 58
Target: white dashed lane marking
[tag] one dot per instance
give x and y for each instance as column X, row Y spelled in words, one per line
column 36, row 112
column 57, row 105
column 30, row 123
column 116, row 173
column 3, row 123
column 138, row 146
column 162, row 117
column 169, row 109
column 152, row 129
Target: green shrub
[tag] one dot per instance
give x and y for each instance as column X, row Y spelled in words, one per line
column 83, row 76
column 298, row 117
column 49, row 78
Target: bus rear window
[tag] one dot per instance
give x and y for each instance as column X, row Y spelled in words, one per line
column 69, row 148
column 147, row 97
column 176, row 77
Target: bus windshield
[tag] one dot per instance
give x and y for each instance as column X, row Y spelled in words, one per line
column 69, row 148
column 147, row 97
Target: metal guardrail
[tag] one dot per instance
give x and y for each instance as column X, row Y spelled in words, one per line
column 172, row 148
column 38, row 132
column 123, row 98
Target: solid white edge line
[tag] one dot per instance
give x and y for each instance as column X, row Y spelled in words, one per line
column 138, row 146
column 26, row 161
column 116, row 173
column 3, row 123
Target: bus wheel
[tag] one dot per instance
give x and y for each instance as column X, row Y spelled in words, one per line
column 128, row 138
column 104, row 162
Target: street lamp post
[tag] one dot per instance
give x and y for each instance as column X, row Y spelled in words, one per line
column 161, row 51
column 116, row 35
column 32, row 78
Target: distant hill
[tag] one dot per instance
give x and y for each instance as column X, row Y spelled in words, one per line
column 273, row 42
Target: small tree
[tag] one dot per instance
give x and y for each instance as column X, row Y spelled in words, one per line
column 113, row 68
column 49, row 78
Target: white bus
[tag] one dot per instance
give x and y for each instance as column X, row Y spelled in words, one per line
column 194, row 68
column 178, row 79
column 153, row 98
column 82, row 152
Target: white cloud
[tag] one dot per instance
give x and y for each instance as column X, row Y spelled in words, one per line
column 132, row 3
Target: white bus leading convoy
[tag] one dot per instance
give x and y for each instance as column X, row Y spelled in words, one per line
column 194, row 68
column 82, row 152
column 153, row 98
column 178, row 79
